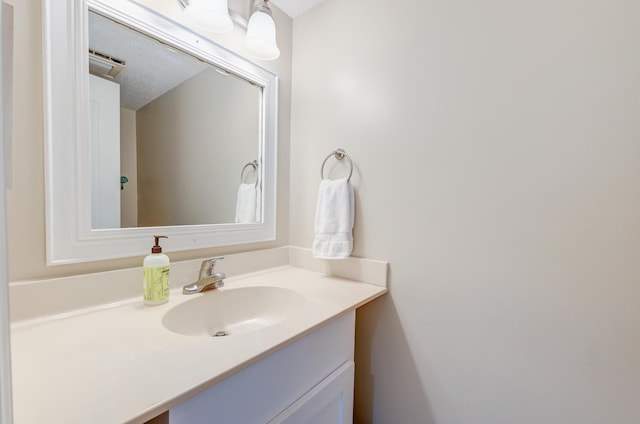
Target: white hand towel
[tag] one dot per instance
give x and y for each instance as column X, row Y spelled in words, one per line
column 334, row 220
column 246, row 203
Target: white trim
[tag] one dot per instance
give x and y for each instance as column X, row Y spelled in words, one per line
column 6, row 410
column 70, row 238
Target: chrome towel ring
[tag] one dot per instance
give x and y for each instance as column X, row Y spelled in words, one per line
column 339, row 154
column 254, row 165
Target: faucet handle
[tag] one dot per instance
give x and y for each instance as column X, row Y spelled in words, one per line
column 206, row 268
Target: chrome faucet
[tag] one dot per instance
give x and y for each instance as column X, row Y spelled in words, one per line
column 207, row 279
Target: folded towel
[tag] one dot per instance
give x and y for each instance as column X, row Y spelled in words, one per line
column 334, row 220
column 246, row 203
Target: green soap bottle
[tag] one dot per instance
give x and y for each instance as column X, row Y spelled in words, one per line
column 156, row 275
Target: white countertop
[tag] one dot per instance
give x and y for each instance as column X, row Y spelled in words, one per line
column 118, row 363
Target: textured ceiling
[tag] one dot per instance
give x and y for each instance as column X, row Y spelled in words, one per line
column 295, row 8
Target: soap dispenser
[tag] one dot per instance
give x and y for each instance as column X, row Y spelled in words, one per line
column 156, row 275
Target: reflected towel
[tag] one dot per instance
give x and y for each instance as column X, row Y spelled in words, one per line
column 246, row 203
column 334, row 220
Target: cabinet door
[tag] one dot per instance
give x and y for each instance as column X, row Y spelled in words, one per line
column 329, row 402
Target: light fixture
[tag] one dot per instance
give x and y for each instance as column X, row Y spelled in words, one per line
column 215, row 16
column 212, row 15
column 260, row 40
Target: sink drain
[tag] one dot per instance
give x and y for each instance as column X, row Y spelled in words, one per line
column 220, row 333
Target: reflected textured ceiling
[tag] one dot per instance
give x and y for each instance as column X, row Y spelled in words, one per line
column 152, row 68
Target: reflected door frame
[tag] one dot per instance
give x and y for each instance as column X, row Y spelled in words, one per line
column 104, row 101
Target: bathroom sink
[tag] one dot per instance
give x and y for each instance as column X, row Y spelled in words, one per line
column 224, row 312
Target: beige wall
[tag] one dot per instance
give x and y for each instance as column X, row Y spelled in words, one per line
column 497, row 147
column 25, row 201
column 128, row 168
column 498, row 167
column 192, row 143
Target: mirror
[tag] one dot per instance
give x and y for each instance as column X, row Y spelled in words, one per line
column 186, row 128
column 183, row 123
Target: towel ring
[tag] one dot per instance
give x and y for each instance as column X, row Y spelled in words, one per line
column 254, row 165
column 339, row 154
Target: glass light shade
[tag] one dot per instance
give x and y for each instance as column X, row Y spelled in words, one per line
column 212, row 15
column 260, row 40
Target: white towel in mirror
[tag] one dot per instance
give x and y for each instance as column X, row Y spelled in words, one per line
column 246, row 203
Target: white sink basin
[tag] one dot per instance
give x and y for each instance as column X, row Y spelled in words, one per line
column 225, row 311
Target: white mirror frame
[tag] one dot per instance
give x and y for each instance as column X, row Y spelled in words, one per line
column 70, row 237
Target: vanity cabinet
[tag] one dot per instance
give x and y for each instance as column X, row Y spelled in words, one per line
column 124, row 364
column 308, row 381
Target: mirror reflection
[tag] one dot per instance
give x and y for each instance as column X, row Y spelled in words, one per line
column 174, row 140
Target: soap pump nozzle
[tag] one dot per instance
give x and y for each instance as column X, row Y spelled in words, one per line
column 156, row 248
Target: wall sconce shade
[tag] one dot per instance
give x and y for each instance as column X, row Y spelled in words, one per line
column 260, row 40
column 212, row 15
